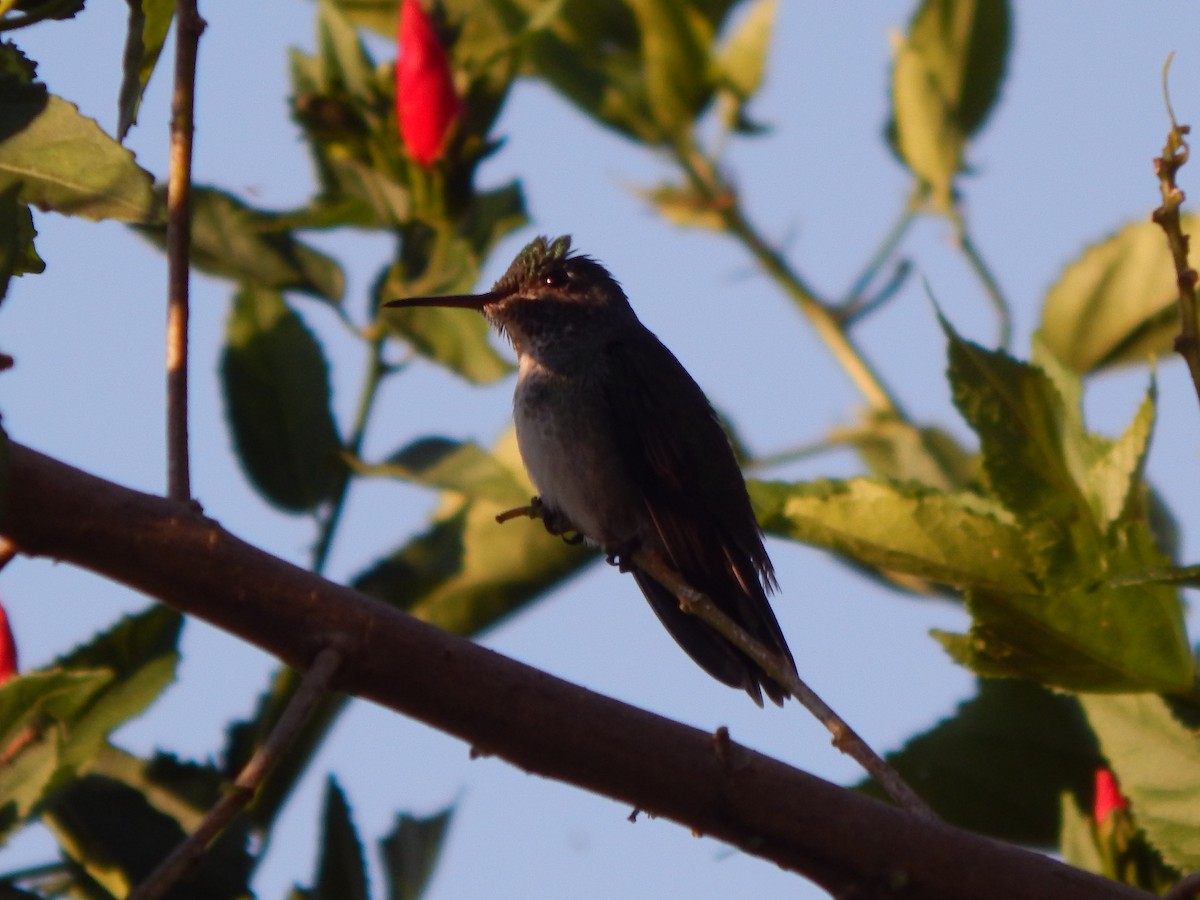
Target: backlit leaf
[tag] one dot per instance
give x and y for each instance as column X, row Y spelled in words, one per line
column 959, row 540
column 1117, row 303
column 1012, row 733
column 410, row 853
column 468, row 571
column 1157, row 762
column 277, row 397
column 149, row 22
column 63, row 161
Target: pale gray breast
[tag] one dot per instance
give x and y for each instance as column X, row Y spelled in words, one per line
column 566, row 444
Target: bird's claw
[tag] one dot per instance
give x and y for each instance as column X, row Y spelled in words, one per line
column 555, row 522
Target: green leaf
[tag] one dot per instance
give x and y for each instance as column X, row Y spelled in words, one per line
column 118, row 838
column 1188, row 576
column 53, row 722
column 591, row 54
column 999, row 764
column 17, row 253
column 945, row 80
column 1108, row 472
column 458, row 339
column 1114, row 477
column 455, row 466
column 743, row 57
column 142, row 652
column 1077, row 838
column 468, row 571
column 233, row 240
column 1117, row 304
column 149, row 22
column 341, row 872
column 961, row 540
column 378, row 15
column 674, row 63
column 1157, row 762
column 160, row 800
column 277, row 397
column 683, row 205
column 343, row 55
column 183, row 790
column 899, row 451
column 410, row 853
column 1106, row 639
column 1032, row 454
column 30, row 706
column 63, row 161
column 493, row 215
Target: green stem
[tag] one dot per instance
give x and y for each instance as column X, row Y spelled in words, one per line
column 885, row 252
column 703, row 175
column 990, row 286
column 376, row 369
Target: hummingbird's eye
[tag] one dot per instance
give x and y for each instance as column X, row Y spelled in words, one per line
column 557, row 278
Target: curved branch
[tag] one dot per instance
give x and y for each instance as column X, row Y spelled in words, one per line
column 849, row 844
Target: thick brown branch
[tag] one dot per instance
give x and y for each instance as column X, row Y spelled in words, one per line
column 852, row 845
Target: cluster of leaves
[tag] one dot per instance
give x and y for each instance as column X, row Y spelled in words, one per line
column 1047, row 533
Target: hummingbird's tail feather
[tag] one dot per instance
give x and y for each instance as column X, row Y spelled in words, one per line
column 710, row 650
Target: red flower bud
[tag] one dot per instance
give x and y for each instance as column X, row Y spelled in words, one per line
column 1108, row 796
column 426, row 105
column 8, row 649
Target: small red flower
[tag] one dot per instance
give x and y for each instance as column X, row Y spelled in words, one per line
column 1108, row 796
column 8, row 649
column 426, row 104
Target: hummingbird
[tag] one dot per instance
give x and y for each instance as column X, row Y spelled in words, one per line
column 626, row 451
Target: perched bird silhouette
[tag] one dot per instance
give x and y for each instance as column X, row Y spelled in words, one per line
column 626, row 451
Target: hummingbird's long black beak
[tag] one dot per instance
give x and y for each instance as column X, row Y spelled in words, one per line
column 456, row 301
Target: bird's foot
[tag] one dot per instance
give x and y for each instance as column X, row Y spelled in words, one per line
column 554, row 521
column 622, row 556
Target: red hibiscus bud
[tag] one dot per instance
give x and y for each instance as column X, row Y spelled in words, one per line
column 1108, row 796
column 8, row 649
column 426, row 105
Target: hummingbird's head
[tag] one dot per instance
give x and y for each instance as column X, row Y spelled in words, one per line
column 547, row 293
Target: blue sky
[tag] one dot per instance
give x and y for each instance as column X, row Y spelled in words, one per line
column 1065, row 160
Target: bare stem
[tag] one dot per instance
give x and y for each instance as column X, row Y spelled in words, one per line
column 1175, row 156
column 376, row 370
column 854, row 297
column 991, row 287
column 723, row 199
column 189, row 26
column 183, row 859
column 845, row 738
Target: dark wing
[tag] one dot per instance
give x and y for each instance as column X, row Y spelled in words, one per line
column 685, row 470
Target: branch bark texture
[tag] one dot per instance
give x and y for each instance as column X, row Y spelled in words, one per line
column 850, row 844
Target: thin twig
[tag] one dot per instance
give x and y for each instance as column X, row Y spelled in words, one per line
column 189, row 26
column 1175, row 156
column 313, row 688
column 723, row 199
column 376, row 370
column 891, row 241
column 845, row 738
column 991, row 287
column 692, row 601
